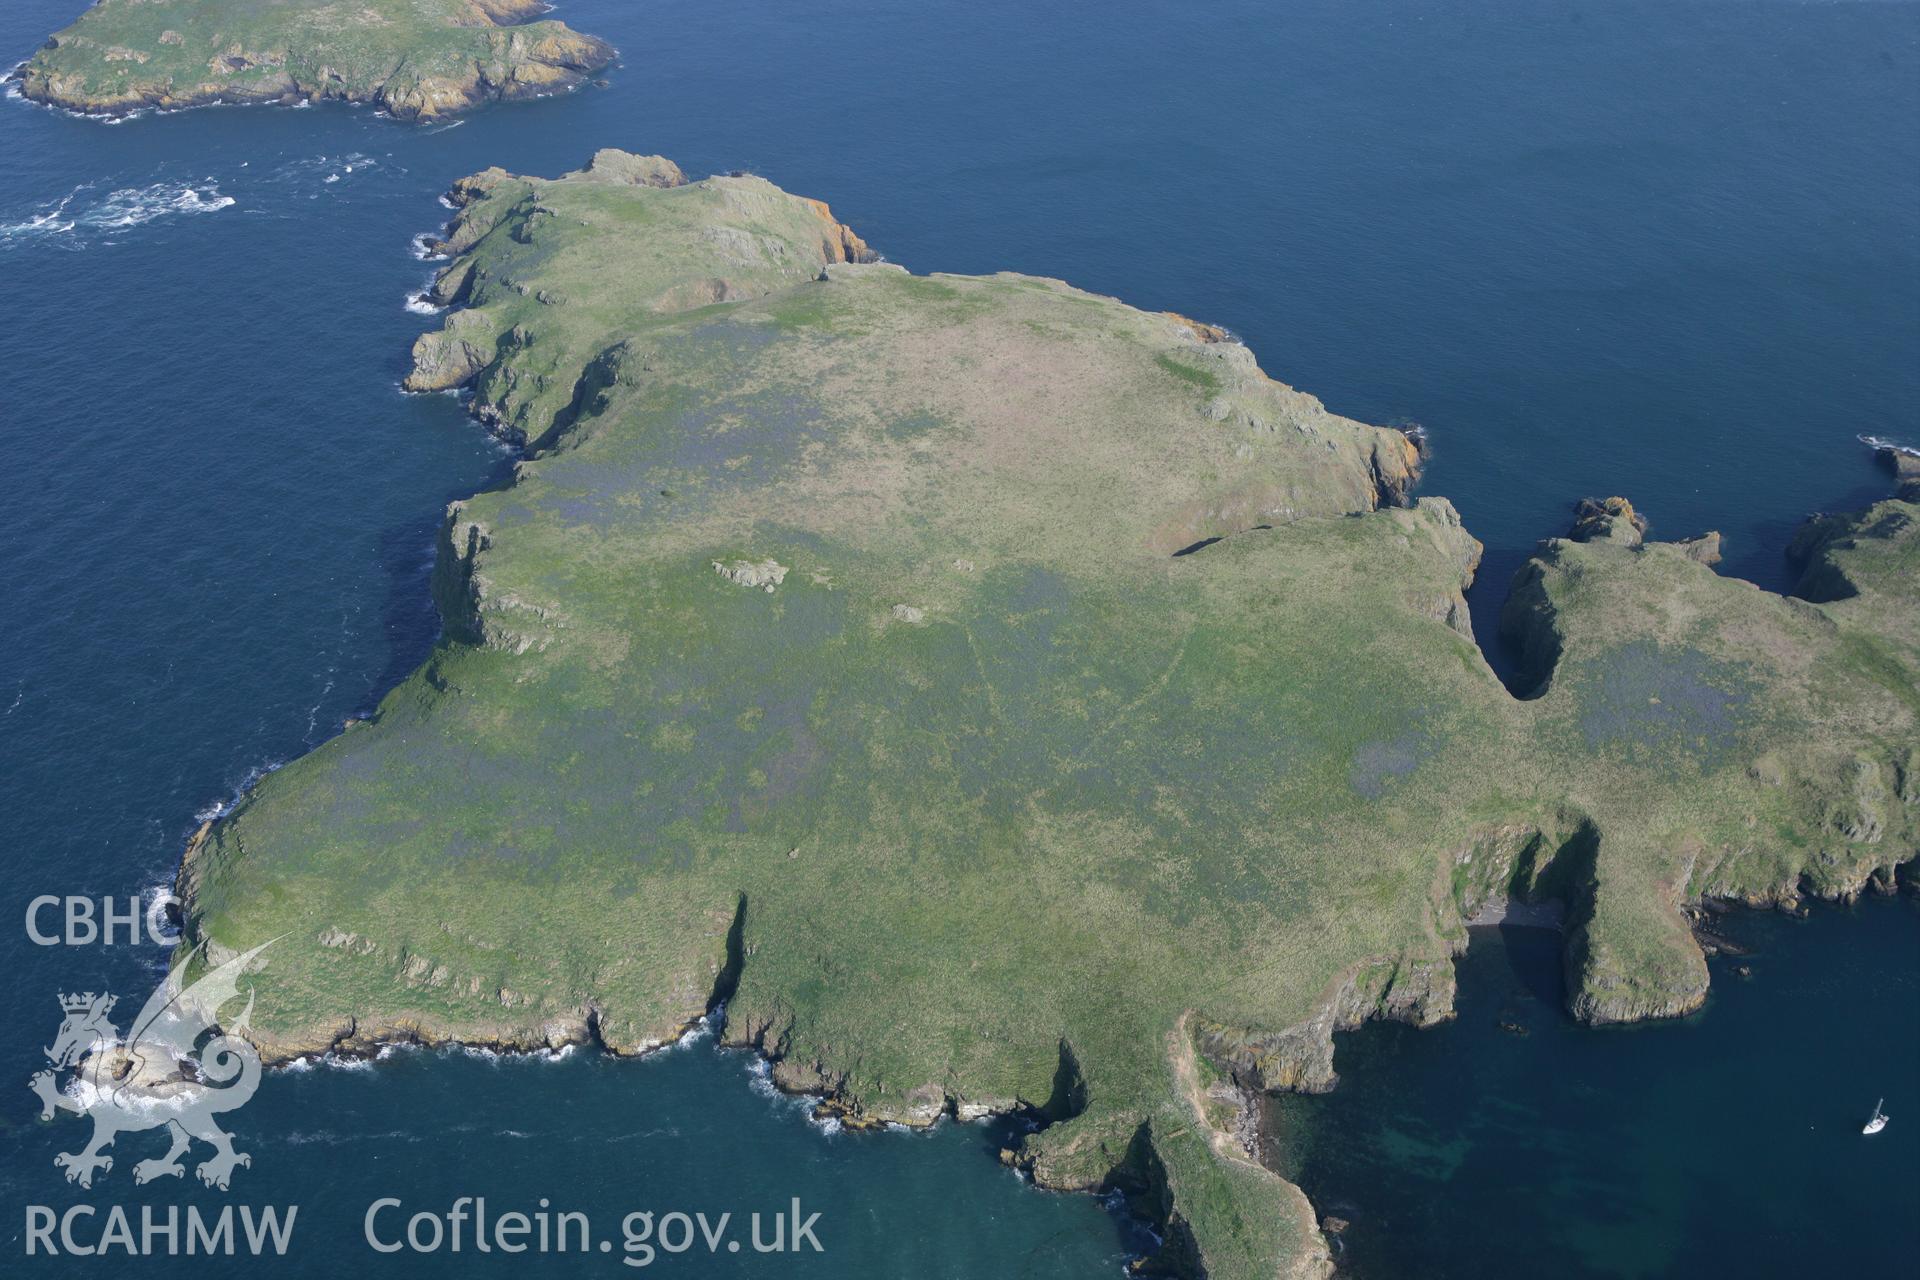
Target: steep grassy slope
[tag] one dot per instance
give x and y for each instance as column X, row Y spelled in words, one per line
column 1003, row 698
column 416, row 58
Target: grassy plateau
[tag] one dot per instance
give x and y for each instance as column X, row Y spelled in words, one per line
column 1002, row 697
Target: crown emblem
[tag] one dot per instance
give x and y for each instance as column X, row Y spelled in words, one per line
column 175, row 1053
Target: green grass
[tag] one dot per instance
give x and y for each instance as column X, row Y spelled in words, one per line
column 992, row 790
column 416, row 58
column 1202, row 379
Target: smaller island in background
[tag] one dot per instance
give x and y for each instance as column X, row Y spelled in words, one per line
column 418, row 59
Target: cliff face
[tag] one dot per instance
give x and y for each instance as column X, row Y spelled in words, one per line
column 418, row 59
column 1300, row 1058
column 1004, row 698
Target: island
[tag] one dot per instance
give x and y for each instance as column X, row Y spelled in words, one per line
column 982, row 696
column 417, row 59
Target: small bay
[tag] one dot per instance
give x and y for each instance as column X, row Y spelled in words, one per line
column 1725, row 1143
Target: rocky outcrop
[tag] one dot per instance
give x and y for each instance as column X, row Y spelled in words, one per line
column 1200, row 329
column 450, row 357
column 838, row 243
column 1395, row 463
column 1904, row 464
column 1705, row 549
column 1607, row 520
column 623, row 168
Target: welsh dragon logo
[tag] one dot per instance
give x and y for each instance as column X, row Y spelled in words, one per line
column 160, row 1075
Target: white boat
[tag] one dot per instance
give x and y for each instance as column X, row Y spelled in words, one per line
column 1879, row 1120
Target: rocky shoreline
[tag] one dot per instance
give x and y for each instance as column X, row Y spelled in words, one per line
column 1299, row 1059
column 115, row 62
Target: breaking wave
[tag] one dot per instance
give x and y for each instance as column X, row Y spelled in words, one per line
column 81, row 217
column 760, row 1080
column 1878, row 443
column 133, row 206
column 222, row 807
column 495, row 1057
column 328, row 168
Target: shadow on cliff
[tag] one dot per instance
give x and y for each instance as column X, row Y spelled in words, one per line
column 1536, row 961
column 1765, row 561
column 1492, row 584
column 407, row 615
column 1761, row 557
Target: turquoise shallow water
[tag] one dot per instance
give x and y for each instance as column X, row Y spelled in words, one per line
column 1666, row 249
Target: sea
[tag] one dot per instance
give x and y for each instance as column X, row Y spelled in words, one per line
column 1662, row 248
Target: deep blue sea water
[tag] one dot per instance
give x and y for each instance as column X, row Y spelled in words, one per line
column 1726, row 1144
column 1669, row 249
